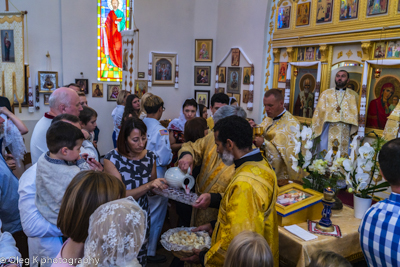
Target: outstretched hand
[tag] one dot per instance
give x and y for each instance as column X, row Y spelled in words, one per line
column 203, row 202
column 193, row 259
column 185, row 163
column 205, row 227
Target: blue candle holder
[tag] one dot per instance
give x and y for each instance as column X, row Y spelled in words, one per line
column 325, row 224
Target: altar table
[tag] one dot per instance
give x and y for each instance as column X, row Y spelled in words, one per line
column 294, row 251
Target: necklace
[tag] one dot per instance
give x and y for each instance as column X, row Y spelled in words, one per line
column 337, row 101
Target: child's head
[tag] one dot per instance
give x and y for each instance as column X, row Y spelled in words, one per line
column 86, row 192
column 65, row 140
column 88, row 117
column 248, row 249
column 395, row 100
column 328, row 259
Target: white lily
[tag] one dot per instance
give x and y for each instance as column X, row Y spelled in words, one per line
column 296, row 130
column 306, row 133
column 366, row 151
column 295, row 163
column 309, row 144
column 365, row 164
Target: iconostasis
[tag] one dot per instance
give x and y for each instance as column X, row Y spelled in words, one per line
column 313, row 40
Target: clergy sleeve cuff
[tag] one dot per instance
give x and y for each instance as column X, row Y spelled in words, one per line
column 202, row 256
column 215, row 200
column 185, row 153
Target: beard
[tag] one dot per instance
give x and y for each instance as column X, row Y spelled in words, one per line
column 227, row 158
column 341, row 84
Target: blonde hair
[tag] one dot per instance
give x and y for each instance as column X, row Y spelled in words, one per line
column 142, row 100
column 152, row 104
column 121, row 96
column 248, row 249
column 328, row 259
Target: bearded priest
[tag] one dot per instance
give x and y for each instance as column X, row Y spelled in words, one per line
column 336, row 117
column 249, row 200
column 391, row 130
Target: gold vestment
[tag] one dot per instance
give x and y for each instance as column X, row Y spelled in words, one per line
column 214, row 175
column 279, row 145
column 330, row 101
column 248, row 204
column 210, row 123
column 392, row 125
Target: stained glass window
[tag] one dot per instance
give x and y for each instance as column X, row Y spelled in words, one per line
column 112, row 19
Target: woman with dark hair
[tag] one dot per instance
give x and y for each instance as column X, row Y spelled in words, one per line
column 132, row 107
column 92, row 189
column 195, row 129
column 135, row 166
column 177, row 126
column 203, row 111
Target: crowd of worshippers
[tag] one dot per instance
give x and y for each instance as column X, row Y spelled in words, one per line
column 73, row 207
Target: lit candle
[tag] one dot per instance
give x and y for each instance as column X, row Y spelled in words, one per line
column 329, row 193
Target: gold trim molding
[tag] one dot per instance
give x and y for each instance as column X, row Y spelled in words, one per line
column 277, row 54
column 12, row 19
column 366, row 49
column 349, row 54
column 340, row 54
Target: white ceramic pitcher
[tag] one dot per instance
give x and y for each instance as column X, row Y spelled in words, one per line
column 178, row 179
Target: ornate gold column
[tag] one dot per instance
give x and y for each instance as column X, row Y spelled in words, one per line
column 290, row 53
column 326, row 60
column 277, row 57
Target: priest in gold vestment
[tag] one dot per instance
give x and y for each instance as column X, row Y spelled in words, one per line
column 336, row 117
column 214, row 175
column 277, row 140
column 249, row 200
column 391, row 130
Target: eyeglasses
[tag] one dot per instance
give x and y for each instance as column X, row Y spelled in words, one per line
column 163, row 108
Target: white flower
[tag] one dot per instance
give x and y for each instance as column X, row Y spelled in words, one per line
column 348, row 165
column 337, row 155
column 297, row 146
column 348, row 181
column 305, row 165
column 366, row 151
column 309, row 144
column 295, row 163
column 307, row 159
column 328, row 156
column 365, row 164
column 319, row 166
column 306, row 133
column 296, row 130
column 362, row 180
column 353, row 148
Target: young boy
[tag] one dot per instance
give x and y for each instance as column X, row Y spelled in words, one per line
column 57, row 167
column 88, row 118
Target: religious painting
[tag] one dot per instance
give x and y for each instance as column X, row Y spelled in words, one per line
column 324, row 11
column 245, row 96
column 140, row 75
column 202, row 75
column 310, row 53
column 222, row 74
column 318, row 54
column 236, row 97
column 282, row 72
column 113, row 91
column 202, row 97
column 348, row 9
column 393, row 50
column 97, row 90
column 164, row 69
column 112, row 19
column 301, row 51
column 221, row 90
column 125, row 60
column 47, row 81
column 233, row 80
column 354, row 85
column 291, row 196
column 140, row 88
column 284, row 17
column 377, row 7
column 46, row 98
column 380, row 49
column 83, row 85
column 7, row 46
column 304, row 93
column 203, row 50
column 235, row 57
column 384, row 94
column 303, row 14
column 246, row 75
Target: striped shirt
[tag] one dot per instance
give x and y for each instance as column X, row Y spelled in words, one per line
column 380, row 233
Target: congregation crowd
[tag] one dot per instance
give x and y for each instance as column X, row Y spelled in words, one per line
column 73, row 207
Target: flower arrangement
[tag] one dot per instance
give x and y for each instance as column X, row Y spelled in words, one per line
column 323, row 171
column 361, row 168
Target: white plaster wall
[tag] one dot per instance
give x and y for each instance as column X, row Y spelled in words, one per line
column 353, row 47
column 70, row 35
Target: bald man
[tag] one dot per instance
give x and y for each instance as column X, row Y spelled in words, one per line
column 62, row 101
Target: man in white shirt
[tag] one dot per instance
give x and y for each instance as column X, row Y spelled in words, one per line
column 63, row 100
